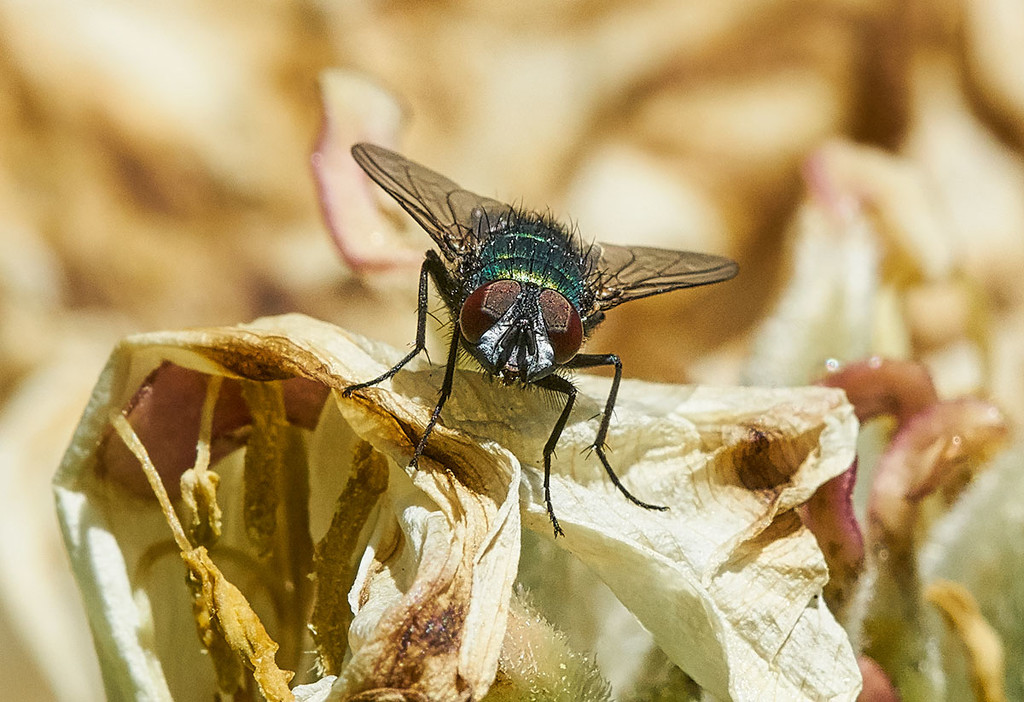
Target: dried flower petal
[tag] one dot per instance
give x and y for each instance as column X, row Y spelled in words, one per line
column 721, row 542
column 728, row 581
column 881, row 386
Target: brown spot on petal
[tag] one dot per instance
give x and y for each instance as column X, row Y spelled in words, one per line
column 428, row 633
column 767, row 459
column 440, row 631
column 388, row 694
column 418, row 642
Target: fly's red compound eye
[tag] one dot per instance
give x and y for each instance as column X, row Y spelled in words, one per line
column 485, row 307
column 565, row 330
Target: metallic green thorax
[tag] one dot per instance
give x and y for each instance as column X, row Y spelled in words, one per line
column 531, row 250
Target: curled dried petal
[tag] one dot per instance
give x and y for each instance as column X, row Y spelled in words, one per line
column 830, row 517
column 937, row 450
column 881, row 386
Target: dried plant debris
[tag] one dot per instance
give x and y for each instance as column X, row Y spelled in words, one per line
column 979, row 546
column 402, row 580
column 981, row 644
column 337, row 555
column 936, row 451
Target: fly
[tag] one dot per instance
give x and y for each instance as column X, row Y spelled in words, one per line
column 525, row 291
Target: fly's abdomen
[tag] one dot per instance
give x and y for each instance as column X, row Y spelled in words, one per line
column 533, row 253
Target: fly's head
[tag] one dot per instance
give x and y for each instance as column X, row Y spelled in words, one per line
column 520, row 331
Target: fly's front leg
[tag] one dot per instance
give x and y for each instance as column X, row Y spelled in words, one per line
column 446, row 391
column 558, row 384
column 587, row 360
column 432, row 267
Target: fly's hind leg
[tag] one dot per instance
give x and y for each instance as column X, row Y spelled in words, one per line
column 586, row 360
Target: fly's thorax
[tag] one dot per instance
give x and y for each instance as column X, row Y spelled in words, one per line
column 529, row 248
column 520, row 330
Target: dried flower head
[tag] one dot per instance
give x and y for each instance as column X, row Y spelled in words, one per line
column 300, row 527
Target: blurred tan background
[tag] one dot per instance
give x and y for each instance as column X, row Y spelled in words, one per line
column 155, row 173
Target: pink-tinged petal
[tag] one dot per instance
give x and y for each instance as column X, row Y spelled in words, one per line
column 836, row 198
column 877, row 685
column 932, row 454
column 937, row 449
column 830, row 517
column 356, row 110
column 852, row 181
column 875, row 387
column 165, row 413
column 881, row 386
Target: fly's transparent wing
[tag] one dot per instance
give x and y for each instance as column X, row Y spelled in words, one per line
column 631, row 272
column 446, row 211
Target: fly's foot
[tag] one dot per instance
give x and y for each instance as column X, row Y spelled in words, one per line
column 645, row 505
column 347, row 392
column 414, row 462
column 554, row 521
column 598, row 448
